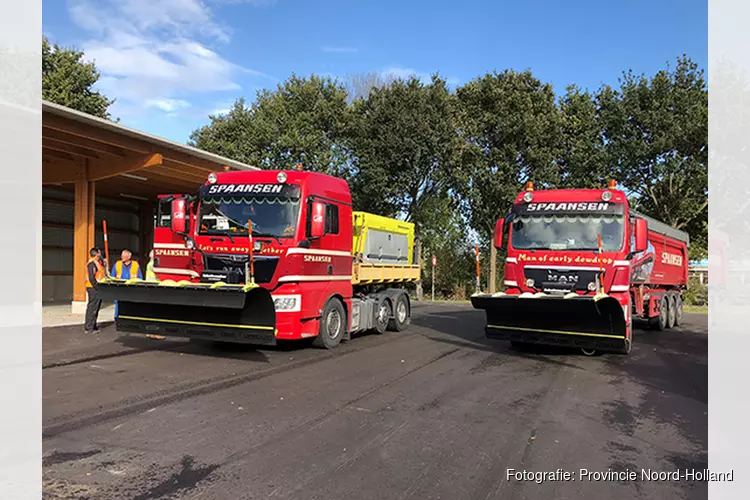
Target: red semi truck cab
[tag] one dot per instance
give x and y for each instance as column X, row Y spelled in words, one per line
column 300, row 251
column 578, row 244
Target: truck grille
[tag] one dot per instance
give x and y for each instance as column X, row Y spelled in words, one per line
column 568, row 279
column 231, row 268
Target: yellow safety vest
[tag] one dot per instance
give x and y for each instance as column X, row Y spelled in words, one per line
column 99, row 272
column 133, row 269
column 150, row 274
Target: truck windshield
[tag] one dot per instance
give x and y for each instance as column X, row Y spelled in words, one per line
column 271, row 216
column 568, row 232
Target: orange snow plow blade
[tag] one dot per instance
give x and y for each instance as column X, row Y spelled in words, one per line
column 586, row 322
column 220, row 312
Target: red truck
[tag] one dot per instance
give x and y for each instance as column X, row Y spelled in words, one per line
column 580, row 266
column 256, row 257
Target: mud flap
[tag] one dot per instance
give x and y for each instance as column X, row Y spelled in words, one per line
column 226, row 313
column 581, row 322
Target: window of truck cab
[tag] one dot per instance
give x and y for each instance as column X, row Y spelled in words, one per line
column 271, row 214
column 568, row 231
column 164, row 213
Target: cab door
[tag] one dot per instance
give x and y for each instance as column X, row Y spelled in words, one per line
column 174, row 222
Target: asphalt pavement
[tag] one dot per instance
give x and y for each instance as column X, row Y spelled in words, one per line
column 436, row 411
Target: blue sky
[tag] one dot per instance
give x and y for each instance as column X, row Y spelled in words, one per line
column 172, row 62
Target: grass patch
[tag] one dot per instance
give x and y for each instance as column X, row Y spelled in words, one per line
column 695, row 309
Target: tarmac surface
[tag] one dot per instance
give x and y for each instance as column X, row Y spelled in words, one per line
column 436, row 411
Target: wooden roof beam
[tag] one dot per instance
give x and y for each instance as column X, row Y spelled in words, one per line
column 59, row 171
column 98, row 171
column 76, row 141
column 53, row 122
column 55, row 145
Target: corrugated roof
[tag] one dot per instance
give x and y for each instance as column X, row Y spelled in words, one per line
column 94, row 121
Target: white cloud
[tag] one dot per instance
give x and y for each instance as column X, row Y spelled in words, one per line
column 156, row 51
column 339, row 50
column 402, row 73
column 168, row 105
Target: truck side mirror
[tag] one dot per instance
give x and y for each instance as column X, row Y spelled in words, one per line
column 179, row 216
column 641, row 235
column 317, row 219
column 499, row 226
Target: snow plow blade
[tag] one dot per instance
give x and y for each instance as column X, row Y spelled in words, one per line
column 590, row 323
column 220, row 312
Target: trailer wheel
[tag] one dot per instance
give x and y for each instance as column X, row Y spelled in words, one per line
column 332, row 325
column 678, row 310
column 660, row 322
column 382, row 315
column 671, row 313
column 588, row 352
column 401, row 316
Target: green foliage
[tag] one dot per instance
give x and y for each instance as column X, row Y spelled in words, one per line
column 444, row 235
column 510, row 130
column 68, row 80
column 657, row 133
column 696, row 293
column 583, row 159
column 302, row 121
column 403, row 135
column 452, row 162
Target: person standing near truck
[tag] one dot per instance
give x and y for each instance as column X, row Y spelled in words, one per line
column 94, row 274
column 150, row 274
column 126, row 268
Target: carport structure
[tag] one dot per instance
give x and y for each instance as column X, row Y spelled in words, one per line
column 97, row 169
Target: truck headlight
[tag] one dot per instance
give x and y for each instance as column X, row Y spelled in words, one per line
column 287, row 303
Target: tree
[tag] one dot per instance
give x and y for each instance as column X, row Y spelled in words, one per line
column 402, row 136
column 657, row 142
column 443, row 234
column 360, row 85
column 583, row 161
column 301, row 121
column 69, row 81
column 510, row 130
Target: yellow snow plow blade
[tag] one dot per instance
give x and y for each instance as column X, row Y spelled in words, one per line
column 221, row 312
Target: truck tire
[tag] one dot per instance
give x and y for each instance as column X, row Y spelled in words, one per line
column 332, row 325
column 660, row 322
column 678, row 310
column 671, row 313
column 382, row 315
column 401, row 315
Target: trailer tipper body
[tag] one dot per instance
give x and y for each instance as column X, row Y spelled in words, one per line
column 580, row 266
column 311, row 267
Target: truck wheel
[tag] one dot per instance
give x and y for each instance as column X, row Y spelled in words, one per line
column 660, row 322
column 671, row 313
column 332, row 325
column 677, row 310
column 628, row 346
column 382, row 315
column 401, row 316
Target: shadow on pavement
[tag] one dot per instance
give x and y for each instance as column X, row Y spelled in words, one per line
column 466, row 327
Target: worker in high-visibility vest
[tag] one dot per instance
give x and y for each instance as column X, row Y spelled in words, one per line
column 126, row 268
column 150, row 274
column 94, row 274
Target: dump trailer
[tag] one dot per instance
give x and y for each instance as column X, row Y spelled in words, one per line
column 262, row 256
column 580, row 266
